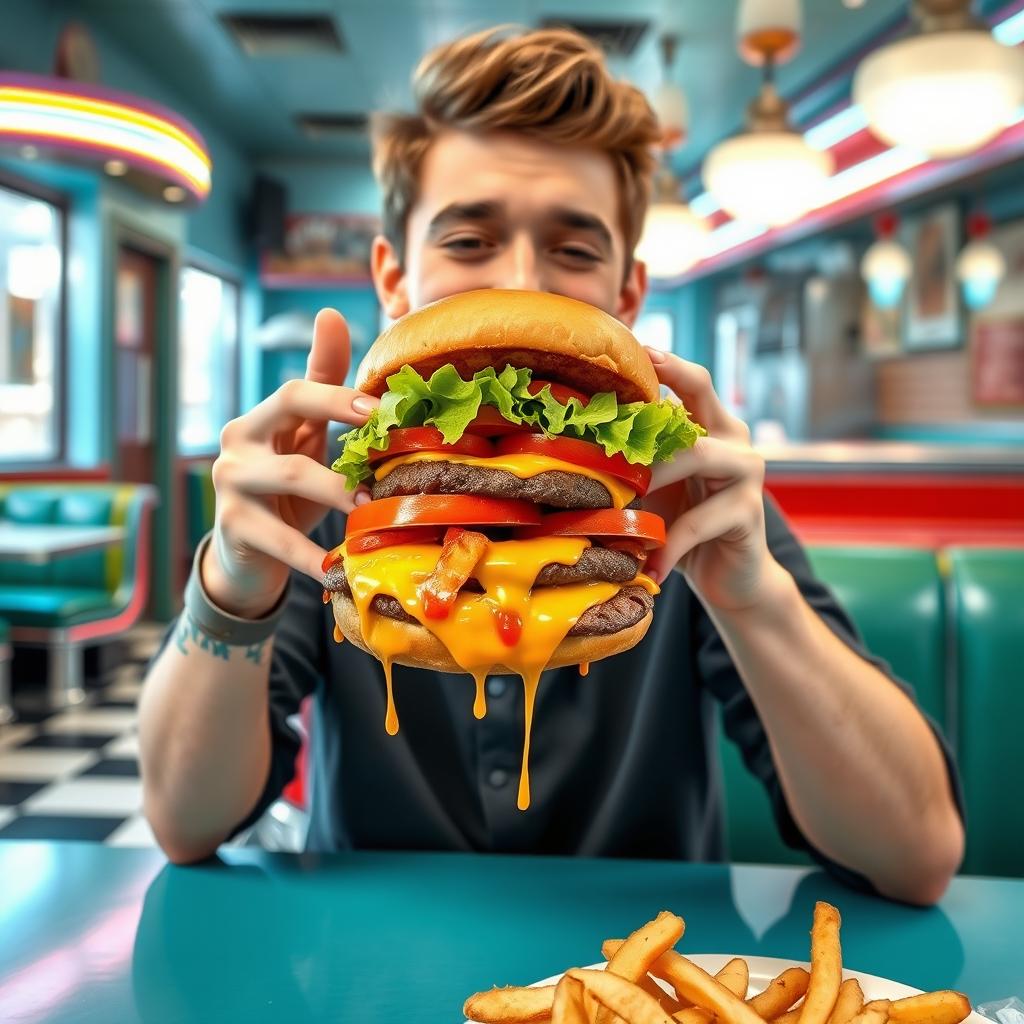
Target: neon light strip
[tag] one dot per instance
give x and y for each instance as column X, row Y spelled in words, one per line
column 55, row 124
column 116, row 111
column 104, row 128
column 1011, row 31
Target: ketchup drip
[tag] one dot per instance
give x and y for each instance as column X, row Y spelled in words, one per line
column 509, row 625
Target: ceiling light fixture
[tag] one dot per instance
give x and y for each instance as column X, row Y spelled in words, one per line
column 886, row 265
column 947, row 89
column 674, row 238
column 980, row 266
column 767, row 174
column 669, row 100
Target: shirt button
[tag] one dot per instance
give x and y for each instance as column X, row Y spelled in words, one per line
column 496, row 686
column 498, row 778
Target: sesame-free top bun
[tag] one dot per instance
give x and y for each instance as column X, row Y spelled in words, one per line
column 562, row 340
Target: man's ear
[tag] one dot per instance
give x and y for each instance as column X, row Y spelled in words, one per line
column 634, row 291
column 388, row 278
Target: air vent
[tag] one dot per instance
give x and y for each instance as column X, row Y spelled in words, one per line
column 279, row 35
column 616, row 38
column 331, row 126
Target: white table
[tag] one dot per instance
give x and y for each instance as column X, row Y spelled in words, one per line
column 44, row 543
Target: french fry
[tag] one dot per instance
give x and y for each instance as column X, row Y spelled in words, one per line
column 670, row 1005
column 567, row 1007
column 510, row 1005
column 620, row 997
column 700, row 988
column 789, row 1017
column 633, row 959
column 876, row 1012
column 849, row 1003
column 735, row 976
column 781, row 993
column 826, row 966
column 944, row 1007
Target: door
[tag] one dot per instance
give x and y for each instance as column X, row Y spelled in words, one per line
column 135, row 332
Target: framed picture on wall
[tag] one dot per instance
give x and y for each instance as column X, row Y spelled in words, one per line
column 932, row 304
column 322, row 250
column 997, row 362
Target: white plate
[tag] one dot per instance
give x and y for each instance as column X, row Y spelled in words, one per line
column 764, row 968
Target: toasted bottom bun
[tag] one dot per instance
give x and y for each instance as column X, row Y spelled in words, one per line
column 426, row 651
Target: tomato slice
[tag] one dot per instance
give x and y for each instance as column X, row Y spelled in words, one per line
column 633, row 524
column 490, row 423
column 439, row 510
column 403, row 440
column 580, row 453
column 367, row 542
column 559, row 392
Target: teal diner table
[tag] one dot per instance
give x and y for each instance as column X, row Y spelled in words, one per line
column 95, row 935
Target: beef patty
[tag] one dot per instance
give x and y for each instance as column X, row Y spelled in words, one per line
column 557, row 488
column 620, row 612
column 595, row 563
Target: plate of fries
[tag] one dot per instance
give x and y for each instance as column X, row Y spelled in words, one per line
column 644, row 980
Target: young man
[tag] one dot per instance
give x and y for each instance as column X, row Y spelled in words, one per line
column 528, row 167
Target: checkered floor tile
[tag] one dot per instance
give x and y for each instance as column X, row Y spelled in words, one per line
column 74, row 774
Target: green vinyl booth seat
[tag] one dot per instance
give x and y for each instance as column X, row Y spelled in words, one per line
column 988, row 598
column 200, row 501
column 896, row 598
column 77, row 599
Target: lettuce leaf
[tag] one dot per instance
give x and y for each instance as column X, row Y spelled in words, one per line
column 643, row 432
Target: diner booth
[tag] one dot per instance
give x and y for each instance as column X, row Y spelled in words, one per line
column 185, row 183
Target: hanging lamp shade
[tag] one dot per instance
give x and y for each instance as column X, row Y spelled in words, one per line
column 768, row 30
column 674, row 237
column 673, row 113
column 980, row 266
column 768, row 174
column 886, row 265
column 944, row 91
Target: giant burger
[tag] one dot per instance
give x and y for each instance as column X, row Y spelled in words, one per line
column 506, row 462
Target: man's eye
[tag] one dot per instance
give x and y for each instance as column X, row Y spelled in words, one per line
column 465, row 244
column 579, row 254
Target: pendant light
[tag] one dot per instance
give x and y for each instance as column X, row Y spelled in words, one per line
column 945, row 90
column 767, row 174
column 674, row 237
column 980, row 266
column 669, row 100
column 886, row 265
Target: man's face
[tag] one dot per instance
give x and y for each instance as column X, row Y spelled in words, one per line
column 504, row 211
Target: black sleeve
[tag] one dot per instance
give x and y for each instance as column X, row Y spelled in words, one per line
column 740, row 720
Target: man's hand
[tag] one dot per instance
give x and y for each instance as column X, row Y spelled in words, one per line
column 271, row 484
column 710, row 497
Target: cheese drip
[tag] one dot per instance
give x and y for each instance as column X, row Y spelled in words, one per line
column 506, row 574
column 522, row 466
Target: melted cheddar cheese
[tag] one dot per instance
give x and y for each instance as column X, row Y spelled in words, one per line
column 506, row 574
column 522, row 466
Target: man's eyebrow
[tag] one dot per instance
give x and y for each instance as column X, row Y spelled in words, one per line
column 456, row 213
column 568, row 217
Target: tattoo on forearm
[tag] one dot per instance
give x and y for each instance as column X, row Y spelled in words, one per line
column 189, row 638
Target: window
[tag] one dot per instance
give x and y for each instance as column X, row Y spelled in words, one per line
column 655, row 329
column 207, row 359
column 31, row 317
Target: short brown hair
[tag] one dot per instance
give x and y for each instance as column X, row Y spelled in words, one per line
column 549, row 84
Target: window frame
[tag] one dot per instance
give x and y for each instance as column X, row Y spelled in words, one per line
column 40, row 193
column 191, row 262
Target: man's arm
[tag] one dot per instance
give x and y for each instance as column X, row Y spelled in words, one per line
column 204, row 740
column 861, row 771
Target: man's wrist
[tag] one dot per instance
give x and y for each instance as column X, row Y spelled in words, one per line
column 224, row 625
column 220, row 591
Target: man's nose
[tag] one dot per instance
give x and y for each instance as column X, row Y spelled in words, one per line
column 522, row 269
